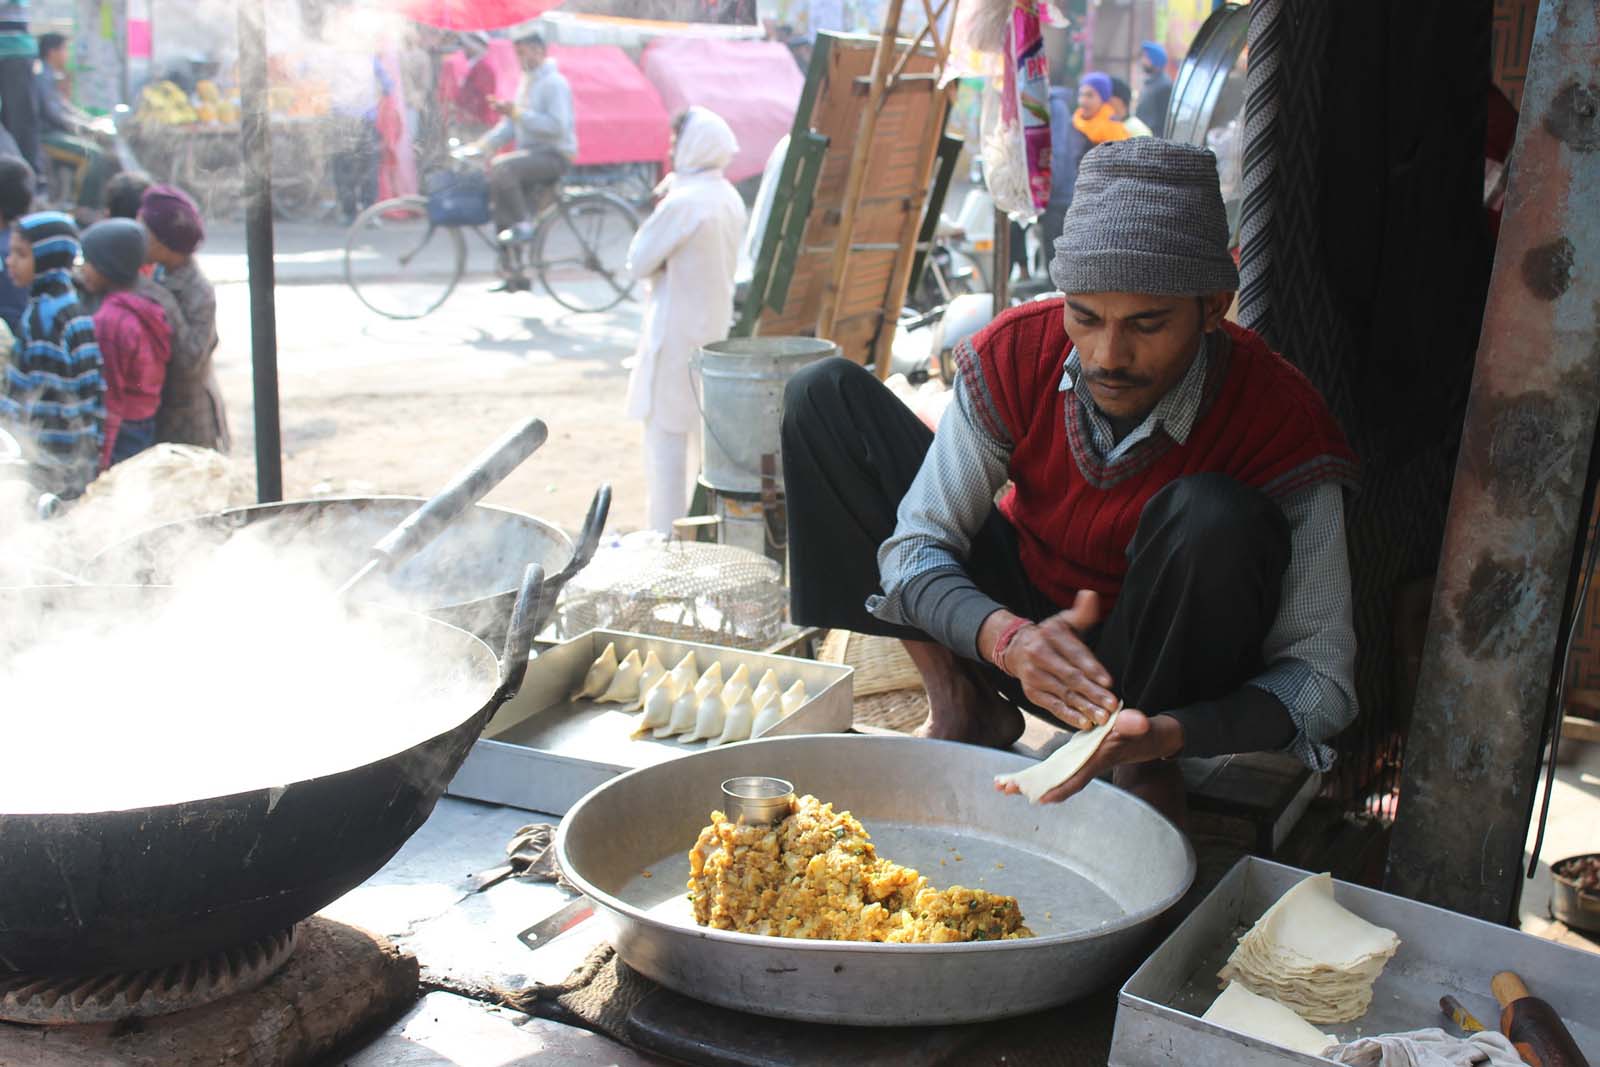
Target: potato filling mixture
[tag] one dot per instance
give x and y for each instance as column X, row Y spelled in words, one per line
column 816, row 874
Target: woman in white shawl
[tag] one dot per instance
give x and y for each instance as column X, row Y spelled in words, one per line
column 688, row 250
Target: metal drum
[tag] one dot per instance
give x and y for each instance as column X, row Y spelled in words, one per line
column 1092, row 875
column 742, row 381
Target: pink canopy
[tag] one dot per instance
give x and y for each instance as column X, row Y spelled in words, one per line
column 620, row 115
column 754, row 85
column 475, row 14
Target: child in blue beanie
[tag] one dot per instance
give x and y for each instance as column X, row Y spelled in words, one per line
column 53, row 395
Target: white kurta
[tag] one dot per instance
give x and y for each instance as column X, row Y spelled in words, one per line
column 687, row 251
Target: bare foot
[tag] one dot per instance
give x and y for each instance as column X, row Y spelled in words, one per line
column 960, row 709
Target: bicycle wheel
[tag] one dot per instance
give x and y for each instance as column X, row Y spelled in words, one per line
column 583, row 251
column 398, row 262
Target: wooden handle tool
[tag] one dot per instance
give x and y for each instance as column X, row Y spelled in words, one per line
column 1540, row 1037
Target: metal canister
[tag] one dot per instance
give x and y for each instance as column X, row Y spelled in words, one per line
column 757, row 799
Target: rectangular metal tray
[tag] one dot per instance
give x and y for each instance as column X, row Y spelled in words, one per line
column 1159, row 1009
column 543, row 751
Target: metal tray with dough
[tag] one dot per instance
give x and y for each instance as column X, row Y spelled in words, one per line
column 1159, row 1009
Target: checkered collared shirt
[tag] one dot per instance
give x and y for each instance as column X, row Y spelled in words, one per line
column 1310, row 650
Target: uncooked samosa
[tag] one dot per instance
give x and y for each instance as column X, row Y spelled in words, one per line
column 657, row 707
column 769, row 688
column 685, row 674
column 601, row 671
column 737, row 688
column 684, row 710
column 1037, row 779
column 710, row 682
column 652, row 673
column 624, row 687
column 766, row 717
column 793, row 698
column 737, row 725
column 708, row 719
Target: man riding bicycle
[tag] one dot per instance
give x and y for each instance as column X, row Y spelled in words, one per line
column 540, row 123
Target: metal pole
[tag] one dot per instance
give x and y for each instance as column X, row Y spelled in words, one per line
column 256, row 134
column 1472, row 756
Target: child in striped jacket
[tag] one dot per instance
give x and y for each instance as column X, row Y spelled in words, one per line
column 53, row 394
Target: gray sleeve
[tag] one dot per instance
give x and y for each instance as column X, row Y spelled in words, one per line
column 1310, row 651
column 922, row 566
column 550, row 117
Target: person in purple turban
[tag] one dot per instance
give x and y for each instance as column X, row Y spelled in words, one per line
column 191, row 410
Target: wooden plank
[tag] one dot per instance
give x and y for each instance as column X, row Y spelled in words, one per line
column 894, row 196
column 910, row 224
column 866, row 133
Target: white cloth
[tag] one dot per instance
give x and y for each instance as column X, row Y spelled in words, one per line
column 667, row 474
column 761, row 211
column 687, row 249
column 1428, row 1048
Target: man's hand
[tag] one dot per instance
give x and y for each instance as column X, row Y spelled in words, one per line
column 1136, row 738
column 507, row 108
column 1055, row 667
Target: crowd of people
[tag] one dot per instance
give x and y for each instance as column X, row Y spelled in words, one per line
column 1099, row 110
column 108, row 333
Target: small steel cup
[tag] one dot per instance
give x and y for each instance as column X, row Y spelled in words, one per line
column 756, row 799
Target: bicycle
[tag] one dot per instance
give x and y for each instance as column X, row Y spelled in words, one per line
column 404, row 256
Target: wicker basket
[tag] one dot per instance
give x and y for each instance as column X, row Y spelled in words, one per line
column 881, row 663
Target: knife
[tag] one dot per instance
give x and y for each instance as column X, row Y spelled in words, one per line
column 553, row 926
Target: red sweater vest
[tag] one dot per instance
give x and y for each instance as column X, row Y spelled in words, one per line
column 1262, row 423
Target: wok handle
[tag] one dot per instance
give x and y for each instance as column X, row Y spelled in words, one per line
column 593, row 525
column 469, row 487
column 519, row 638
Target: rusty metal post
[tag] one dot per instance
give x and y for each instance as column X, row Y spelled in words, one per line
column 1472, row 758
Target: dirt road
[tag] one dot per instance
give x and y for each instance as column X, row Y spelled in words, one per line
column 371, row 405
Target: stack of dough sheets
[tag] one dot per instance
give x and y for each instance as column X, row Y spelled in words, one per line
column 1311, row 955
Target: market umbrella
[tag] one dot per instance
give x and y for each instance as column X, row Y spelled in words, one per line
column 475, row 14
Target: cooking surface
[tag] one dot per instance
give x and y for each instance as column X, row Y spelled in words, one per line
column 1055, row 899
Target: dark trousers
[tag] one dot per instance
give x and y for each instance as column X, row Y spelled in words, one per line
column 133, row 437
column 355, row 165
column 1205, row 567
column 19, row 108
column 515, row 179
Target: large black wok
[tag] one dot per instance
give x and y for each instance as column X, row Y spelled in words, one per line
column 85, row 892
column 467, row 576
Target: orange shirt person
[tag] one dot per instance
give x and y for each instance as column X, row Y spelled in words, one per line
column 1094, row 117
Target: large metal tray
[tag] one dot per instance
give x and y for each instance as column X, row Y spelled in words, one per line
column 544, row 751
column 1159, row 1009
column 1091, row 874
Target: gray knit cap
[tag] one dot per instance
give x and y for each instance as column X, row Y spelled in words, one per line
column 116, row 248
column 1146, row 217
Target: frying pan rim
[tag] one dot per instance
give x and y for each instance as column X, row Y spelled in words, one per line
column 265, row 510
